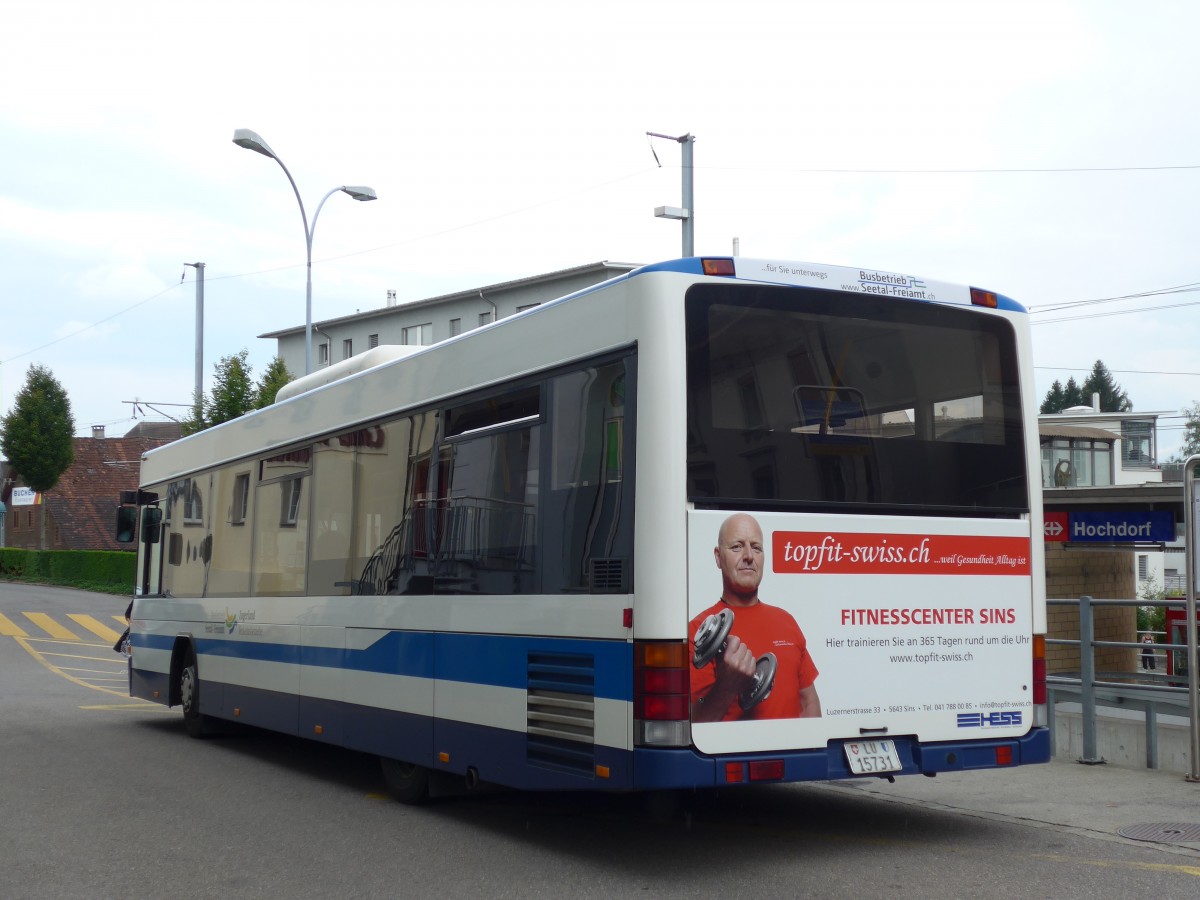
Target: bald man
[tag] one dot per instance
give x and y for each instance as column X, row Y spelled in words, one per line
column 757, row 629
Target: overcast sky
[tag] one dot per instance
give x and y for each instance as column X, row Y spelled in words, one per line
column 1046, row 150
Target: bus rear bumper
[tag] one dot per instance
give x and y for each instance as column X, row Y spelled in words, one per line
column 655, row 769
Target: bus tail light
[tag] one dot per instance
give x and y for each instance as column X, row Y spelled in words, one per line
column 981, row 297
column 661, row 693
column 766, row 770
column 719, row 266
column 1039, row 670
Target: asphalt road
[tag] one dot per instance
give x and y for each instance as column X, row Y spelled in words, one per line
column 104, row 796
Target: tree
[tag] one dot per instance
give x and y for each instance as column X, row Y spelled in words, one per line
column 1053, row 403
column 1100, row 381
column 275, row 377
column 38, row 434
column 232, row 395
column 1112, row 398
column 1191, row 434
column 195, row 420
column 1059, row 398
column 1152, row 617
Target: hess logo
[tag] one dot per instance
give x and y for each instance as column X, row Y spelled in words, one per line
column 989, row 720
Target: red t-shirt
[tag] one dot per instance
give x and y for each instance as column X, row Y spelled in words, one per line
column 764, row 629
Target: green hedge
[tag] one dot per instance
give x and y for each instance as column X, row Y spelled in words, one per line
column 112, row 571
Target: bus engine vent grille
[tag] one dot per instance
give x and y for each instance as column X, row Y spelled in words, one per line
column 608, row 576
column 561, row 710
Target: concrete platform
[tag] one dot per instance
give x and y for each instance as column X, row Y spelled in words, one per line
column 1097, row 800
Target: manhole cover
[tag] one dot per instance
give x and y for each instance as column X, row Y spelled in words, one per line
column 1164, row 832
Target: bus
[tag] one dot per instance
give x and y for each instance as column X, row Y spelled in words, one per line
column 716, row 521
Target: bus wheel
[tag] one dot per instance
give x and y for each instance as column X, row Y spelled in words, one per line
column 189, row 696
column 407, row 782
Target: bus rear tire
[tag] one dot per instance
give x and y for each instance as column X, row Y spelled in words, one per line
column 407, row 782
column 196, row 724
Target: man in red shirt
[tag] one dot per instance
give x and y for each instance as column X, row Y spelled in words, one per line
column 757, row 629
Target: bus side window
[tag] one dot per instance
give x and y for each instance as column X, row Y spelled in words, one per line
column 587, row 543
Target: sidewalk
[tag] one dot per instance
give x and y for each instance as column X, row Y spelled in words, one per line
column 1100, row 800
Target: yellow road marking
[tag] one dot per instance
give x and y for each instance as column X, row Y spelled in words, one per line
column 1194, row 871
column 135, row 706
column 121, row 623
column 8, row 628
column 95, row 626
column 36, row 654
column 107, row 673
column 52, row 628
column 119, row 659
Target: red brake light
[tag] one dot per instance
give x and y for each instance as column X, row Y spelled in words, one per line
column 664, row 681
column 664, row 708
column 766, row 770
column 1039, row 670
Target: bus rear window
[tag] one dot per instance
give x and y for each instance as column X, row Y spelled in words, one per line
column 801, row 397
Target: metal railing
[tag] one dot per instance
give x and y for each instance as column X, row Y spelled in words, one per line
column 1132, row 689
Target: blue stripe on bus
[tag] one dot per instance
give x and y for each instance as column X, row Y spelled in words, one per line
column 519, row 760
column 503, row 661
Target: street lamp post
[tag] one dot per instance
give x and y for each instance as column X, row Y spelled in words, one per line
column 244, row 137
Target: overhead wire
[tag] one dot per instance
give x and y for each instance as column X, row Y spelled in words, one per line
column 1195, row 286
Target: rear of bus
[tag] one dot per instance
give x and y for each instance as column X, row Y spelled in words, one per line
column 879, row 433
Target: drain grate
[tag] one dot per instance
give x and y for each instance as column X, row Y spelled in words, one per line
column 1163, row 832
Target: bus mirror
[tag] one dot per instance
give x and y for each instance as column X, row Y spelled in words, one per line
column 126, row 524
column 151, row 525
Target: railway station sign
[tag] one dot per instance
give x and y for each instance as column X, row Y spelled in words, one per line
column 1111, row 527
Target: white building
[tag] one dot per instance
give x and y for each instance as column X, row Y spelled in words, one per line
column 1108, row 460
column 434, row 319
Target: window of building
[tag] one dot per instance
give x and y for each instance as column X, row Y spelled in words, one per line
column 347, row 348
column 1137, row 444
column 193, row 503
column 485, row 318
column 1074, row 462
column 289, row 507
column 455, row 327
column 417, row 335
column 1143, row 567
column 372, row 341
column 241, row 497
column 322, row 353
column 527, row 306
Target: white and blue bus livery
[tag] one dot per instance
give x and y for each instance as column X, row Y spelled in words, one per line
column 480, row 558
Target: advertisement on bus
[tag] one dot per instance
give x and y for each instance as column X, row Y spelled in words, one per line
column 807, row 628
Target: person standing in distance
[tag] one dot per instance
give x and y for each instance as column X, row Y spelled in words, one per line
column 757, row 629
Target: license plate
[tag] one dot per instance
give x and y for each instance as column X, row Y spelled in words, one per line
column 872, row 757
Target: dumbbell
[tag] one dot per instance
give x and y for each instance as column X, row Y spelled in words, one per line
column 709, row 643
